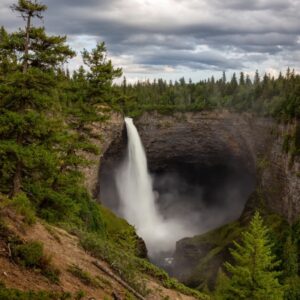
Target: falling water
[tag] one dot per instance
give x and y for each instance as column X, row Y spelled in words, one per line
column 138, row 201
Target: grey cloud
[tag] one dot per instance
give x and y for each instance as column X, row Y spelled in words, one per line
column 258, row 30
column 253, row 5
column 201, row 60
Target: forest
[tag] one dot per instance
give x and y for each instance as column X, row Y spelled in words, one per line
column 46, row 113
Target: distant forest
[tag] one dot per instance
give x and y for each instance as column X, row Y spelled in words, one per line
column 266, row 95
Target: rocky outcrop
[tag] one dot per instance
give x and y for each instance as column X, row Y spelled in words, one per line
column 280, row 172
column 255, row 145
column 103, row 134
column 209, row 137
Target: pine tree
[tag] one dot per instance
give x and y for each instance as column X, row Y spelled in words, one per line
column 100, row 75
column 242, row 78
column 290, row 258
column 253, row 275
column 221, row 286
column 290, row 270
column 28, row 134
column 28, row 10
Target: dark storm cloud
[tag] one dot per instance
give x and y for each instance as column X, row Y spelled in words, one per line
column 196, row 34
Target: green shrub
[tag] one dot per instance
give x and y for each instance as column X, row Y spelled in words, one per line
column 79, row 295
column 51, row 273
column 30, row 254
column 14, row 294
column 130, row 267
column 24, row 207
column 292, row 288
column 83, row 276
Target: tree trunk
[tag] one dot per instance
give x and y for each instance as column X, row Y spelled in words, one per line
column 17, row 178
column 17, row 181
column 26, row 52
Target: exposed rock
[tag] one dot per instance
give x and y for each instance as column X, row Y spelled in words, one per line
column 212, row 138
column 280, row 177
column 217, row 138
column 104, row 134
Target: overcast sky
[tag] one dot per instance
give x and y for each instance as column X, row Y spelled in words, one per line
column 175, row 38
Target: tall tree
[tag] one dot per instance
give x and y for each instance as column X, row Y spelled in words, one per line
column 27, row 102
column 253, row 275
column 290, row 258
column 28, row 10
column 100, row 75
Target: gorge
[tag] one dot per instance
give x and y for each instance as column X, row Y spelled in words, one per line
column 206, row 170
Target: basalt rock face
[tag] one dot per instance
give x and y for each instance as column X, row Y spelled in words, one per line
column 280, row 174
column 103, row 134
column 208, row 137
column 227, row 156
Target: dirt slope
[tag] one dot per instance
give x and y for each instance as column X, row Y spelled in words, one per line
column 65, row 252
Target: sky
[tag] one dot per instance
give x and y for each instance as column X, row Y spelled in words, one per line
column 170, row 39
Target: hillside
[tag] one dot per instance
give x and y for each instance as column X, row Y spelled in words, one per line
column 75, row 273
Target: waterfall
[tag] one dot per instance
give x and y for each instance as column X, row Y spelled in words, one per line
column 138, row 200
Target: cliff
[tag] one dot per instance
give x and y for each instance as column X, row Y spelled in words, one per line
column 226, row 151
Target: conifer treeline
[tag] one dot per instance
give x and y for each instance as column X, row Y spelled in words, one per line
column 45, row 118
column 278, row 97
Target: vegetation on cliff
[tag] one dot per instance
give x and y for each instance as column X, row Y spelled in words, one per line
column 278, row 97
column 253, row 274
column 45, row 118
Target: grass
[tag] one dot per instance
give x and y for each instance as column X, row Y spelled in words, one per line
column 23, row 206
column 85, row 277
column 31, row 255
column 130, row 268
column 14, row 294
column 52, row 231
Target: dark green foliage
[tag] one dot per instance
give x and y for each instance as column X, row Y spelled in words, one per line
column 83, row 276
column 290, row 258
column 100, row 76
column 13, row 294
column 292, row 288
column 222, row 283
column 253, row 274
column 129, row 267
column 24, row 207
column 278, row 97
column 29, row 254
column 79, row 295
column 44, row 123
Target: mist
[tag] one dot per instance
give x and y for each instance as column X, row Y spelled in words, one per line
column 138, row 199
column 181, row 200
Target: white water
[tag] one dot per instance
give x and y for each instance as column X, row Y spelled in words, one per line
column 138, row 201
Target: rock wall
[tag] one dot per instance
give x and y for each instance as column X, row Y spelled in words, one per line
column 212, row 138
column 103, row 135
column 280, row 174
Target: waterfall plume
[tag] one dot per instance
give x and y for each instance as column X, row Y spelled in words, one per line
column 138, row 200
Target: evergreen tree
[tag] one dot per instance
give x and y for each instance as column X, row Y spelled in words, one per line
column 242, row 78
column 290, row 270
column 253, row 276
column 28, row 134
column 221, row 286
column 290, row 258
column 100, row 75
column 28, row 10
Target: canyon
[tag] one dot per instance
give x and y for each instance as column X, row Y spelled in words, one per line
column 210, row 171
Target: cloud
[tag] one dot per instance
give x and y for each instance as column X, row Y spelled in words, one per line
column 147, row 36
